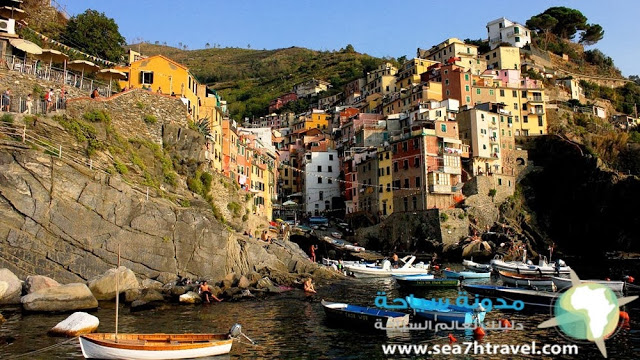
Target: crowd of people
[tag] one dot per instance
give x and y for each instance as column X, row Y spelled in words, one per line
column 50, row 101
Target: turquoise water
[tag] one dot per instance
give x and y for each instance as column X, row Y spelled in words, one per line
column 291, row 326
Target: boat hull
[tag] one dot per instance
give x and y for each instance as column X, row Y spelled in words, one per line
column 524, row 280
column 363, row 317
column 465, row 274
column 474, row 266
column 131, row 350
column 525, row 269
column 428, row 283
column 531, row 298
column 562, row 283
column 364, row 271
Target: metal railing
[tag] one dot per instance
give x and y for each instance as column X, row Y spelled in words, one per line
column 24, row 105
column 45, row 72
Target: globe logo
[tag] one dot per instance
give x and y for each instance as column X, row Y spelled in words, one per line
column 587, row 311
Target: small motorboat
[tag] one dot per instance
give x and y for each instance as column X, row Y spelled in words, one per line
column 428, row 283
column 522, row 280
column 530, row 298
column 563, row 284
column 527, row 268
column 385, row 269
column 477, row 267
column 439, row 312
column 465, row 274
column 362, row 316
column 414, row 277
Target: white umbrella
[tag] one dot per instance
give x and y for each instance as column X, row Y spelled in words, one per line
column 289, row 203
column 83, row 65
column 111, row 74
column 53, row 55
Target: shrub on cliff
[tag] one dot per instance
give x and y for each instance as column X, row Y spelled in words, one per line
column 97, row 116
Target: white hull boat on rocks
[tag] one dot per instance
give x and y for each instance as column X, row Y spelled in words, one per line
column 386, row 270
column 527, row 268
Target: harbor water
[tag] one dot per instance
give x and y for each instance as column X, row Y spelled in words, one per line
column 292, row 326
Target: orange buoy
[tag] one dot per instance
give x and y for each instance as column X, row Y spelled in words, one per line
column 607, row 279
column 630, row 279
column 505, row 323
column 436, row 267
column 478, row 333
column 452, row 339
column 624, row 316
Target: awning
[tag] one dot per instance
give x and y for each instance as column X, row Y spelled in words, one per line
column 26, row 46
column 452, row 141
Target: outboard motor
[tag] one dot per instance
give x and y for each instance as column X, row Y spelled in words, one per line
column 236, row 330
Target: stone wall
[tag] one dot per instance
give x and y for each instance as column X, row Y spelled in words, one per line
column 22, row 85
column 128, row 110
column 504, row 185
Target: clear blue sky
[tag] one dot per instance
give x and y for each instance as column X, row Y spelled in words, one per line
column 378, row 28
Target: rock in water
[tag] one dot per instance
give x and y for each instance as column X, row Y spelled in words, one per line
column 77, row 324
column 38, row 282
column 10, row 287
column 151, row 284
column 103, row 286
column 190, row 298
column 60, row 298
column 243, row 283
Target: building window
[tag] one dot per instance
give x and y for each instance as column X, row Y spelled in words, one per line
column 416, row 162
column 524, row 106
column 415, row 203
column 329, row 181
column 395, row 166
column 466, row 88
column 415, row 144
column 146, row 77
column 478, row 91
column 443, row 127
column 405, row 146
column 540, row 123
column 491, row 92
column 319, row 168
column 406, row 183
column 499, row 181
column 319, row 180
column 330, row 157
column 406, row 204
column 466, row 76
column 514, row 93
column 386, row 155
column 405, row 164
column 321, row 195
column 468, row 98
column 446, row 81
column 524, row 93
column 515, row 106
column 525, row 119
column 517, row 39
column 418, row 181
column 448, row 93
column 388, row 170
column 501, row 92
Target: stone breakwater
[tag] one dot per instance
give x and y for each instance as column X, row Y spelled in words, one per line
column 65, row 222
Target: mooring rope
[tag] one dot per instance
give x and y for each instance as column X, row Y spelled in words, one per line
column 41, row 350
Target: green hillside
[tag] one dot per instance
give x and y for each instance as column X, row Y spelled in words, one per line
column 248, row 79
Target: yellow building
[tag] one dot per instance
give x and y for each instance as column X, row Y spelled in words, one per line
column 455, row 51
column 163, row 75
column 504, row 57
column 211, row 109
column 410, row 72
column 385, row 180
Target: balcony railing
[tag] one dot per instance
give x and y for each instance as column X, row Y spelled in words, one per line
column 535, row 98
column 493, row 139
column 493, row 125
column 536, row 111
column 440, row 189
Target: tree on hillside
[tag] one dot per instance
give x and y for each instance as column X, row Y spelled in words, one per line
column 592, row 34
column 543, row 23
column 483, row 45
column 567, row 23
column 349, row 49
column 94, row 33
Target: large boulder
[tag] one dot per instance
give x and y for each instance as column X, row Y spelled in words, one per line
column 190, row 297
column 243, row 283
column 151, row 284
column 264, row 283
column 150, row 295
column 103, row 286
column 10, row 287
column 34, row 283
column 76, row 324
column 60, row 298
column 167, row 278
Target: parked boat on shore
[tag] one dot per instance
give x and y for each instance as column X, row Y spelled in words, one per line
column 477, row 267
column 362, row 316
column 562, row 284
column 465, row 274
column 522, row 280
column 543, row 268
column 385, row 269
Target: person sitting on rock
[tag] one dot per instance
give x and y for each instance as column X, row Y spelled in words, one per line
column 308, row 286
column 205, row 292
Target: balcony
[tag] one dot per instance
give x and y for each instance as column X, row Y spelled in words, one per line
column 493, row 125
column 440, row 189
column 535, row 99
column 493, row 139
column 455, row 170
column 536, row 111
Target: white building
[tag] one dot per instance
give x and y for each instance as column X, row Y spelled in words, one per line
column 321, row 169
column 503, row 30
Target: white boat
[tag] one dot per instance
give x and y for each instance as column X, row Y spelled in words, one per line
column 527, row 268
column 477, row 267
column 329, row 262
column 386, row 269
column 336, row 235
column 414, row 277
column 154, row 346
column 562, row 283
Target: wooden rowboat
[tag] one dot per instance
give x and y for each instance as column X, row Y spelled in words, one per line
column 154, row 346
column 521, row 280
